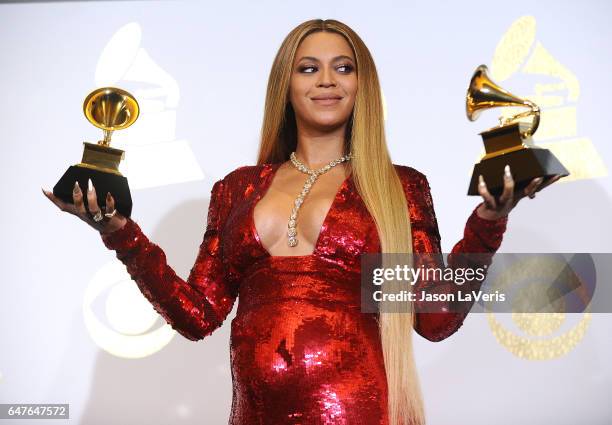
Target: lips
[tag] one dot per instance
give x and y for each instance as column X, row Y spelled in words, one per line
column 326, row 99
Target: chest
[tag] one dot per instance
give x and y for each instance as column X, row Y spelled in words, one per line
column 296, row 210
column 338, row 229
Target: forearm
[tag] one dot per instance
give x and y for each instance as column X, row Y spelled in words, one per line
column 183, row 306
column 437, row 320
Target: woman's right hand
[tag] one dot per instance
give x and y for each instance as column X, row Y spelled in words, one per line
column 104, row 226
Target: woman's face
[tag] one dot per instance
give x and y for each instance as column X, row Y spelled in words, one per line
column 323, row 81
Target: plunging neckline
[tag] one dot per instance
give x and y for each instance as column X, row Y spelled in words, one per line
column 262, row 192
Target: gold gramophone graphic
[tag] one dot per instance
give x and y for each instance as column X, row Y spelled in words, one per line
column 510, row 142
column 110, row 109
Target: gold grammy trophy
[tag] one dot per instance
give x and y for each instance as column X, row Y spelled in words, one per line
column 110, row 109
column 508, row 143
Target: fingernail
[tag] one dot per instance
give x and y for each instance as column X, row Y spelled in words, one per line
column 539, row 179
column 481, row 180
column 108, row 195
column 89, row 185
column 44, row 191
column 77, row 188
column 507, row 171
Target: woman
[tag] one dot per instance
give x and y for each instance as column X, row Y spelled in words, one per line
column 301, row 350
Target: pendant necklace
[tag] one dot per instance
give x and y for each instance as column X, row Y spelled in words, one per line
column 313, row 175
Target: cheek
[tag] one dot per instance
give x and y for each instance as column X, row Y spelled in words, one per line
column 351, row 92
column 297, row 95
column 298, row 87
column 349, row 86
column 352, row 89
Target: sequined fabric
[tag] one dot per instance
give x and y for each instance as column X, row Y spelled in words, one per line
column 301, row 351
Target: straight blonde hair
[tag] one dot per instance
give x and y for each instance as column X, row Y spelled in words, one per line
column 375, row 179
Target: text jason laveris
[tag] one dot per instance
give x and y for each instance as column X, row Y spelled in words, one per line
column 432, row 297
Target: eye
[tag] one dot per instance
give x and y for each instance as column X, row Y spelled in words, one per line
column 303, row 68
column 309, row 69
column 348, row 68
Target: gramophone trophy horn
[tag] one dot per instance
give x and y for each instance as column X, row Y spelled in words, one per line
column 510, row 142
column 110, row 109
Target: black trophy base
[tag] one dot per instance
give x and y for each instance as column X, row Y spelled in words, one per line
column 525, row 165
column 103, row 182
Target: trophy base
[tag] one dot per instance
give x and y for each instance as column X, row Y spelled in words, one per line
column 525, row 165
column 103, row 182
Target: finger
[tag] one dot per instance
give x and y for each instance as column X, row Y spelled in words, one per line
column 508, row 192
column 549, row 182
column 489, row 200
column 77, row 198
column 110, row 208
column 58, row 202
column 51, row 197
column 533, row 186
column 110, row 203
column 92, row 199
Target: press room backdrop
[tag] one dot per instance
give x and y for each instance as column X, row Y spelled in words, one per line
column 76, row 330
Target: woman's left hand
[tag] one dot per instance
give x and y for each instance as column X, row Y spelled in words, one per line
column 492, row 209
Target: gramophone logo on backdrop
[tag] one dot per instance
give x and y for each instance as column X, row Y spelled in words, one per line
column 129, row 318
column 556, row 92
column 154, row 157
column 551, row 332
column 545, row 335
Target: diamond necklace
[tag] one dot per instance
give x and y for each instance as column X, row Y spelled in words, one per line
column 313, row 175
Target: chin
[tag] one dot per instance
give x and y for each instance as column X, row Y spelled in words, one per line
column 328, row 125
column 328, row 120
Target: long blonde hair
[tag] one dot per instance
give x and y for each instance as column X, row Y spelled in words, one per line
column 376, row 181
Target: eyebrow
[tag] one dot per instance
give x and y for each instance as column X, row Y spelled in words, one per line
column 312, row 58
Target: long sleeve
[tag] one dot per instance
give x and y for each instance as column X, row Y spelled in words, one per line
column 198, row 306
column 481, row 236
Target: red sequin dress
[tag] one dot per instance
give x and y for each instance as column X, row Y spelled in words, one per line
column 301, row 351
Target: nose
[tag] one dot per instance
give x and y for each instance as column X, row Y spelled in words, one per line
column 326, row 78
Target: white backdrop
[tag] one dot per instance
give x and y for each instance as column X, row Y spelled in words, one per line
column 75, row 330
